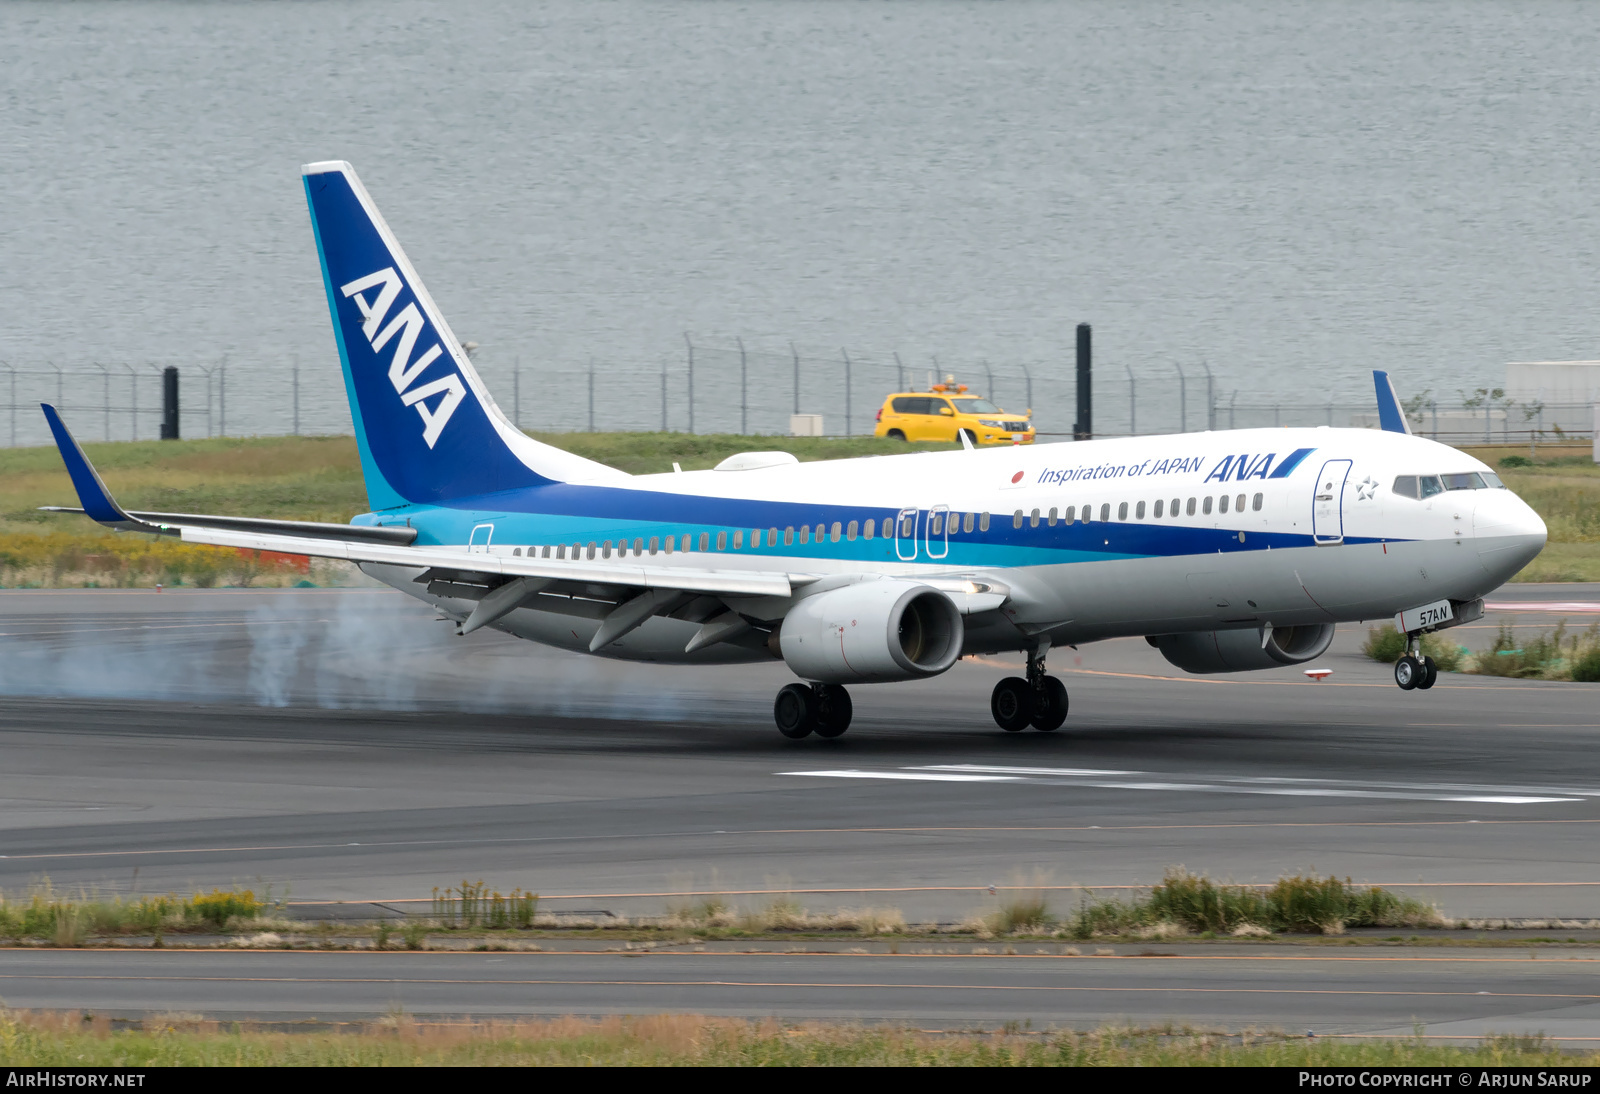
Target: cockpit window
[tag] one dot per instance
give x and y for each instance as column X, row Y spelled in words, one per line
column 1493, row 481
column 1429, row 485
column 1406, row 486
column 1466, row 480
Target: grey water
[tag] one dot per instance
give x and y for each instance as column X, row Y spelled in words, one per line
column 1290, row 193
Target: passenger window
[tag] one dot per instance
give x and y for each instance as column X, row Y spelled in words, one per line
column 935, row 524
column 908, row 526
column 850, row 531
column 1138, row 513
column 1257, row 503
column 546, row 553
column 805, row 533
column 1222, row 504
column 705, row 541
column 819, row 533
column 907, row 405
column 983, row 522
column 888, row 527
column 966, row 523
column 655, row 544
column 1190, row 509
column 1105, row 512
column 788, row 536
column 1238, row 504
column 592, row 546
column 869, row 528
column 1051, row 518
column 1158, row 508
column 772, row 537
column 1175, row 508
column 1205, row 505
column 1016, row 519
column 738, row 539
column 516, row 552
column 1122, row 511
column 755, row 538
column 638, row 548
column 722, row 541
column 1428, row 485
column 669, row 543
column 1033, row 519
column 833, row 533
column 688, row 541
column 1072, row 514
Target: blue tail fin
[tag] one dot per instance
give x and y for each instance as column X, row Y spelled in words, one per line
column 1390, row 416
column 426, row 427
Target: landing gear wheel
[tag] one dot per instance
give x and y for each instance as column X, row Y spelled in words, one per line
column 795, row 711
column 1050, row 704
column 833, row 710
column 1430, row 674
column 1012, row 704
column 1408, row 672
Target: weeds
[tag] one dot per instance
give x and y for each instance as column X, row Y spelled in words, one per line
column 52, row 915
column 474, row 905
column 1549, row 655
column 1386, row 644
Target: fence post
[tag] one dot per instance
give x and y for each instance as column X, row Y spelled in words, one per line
column 294, row 373
column 796, row 355
column 1133, row 404
column 691, row 379
column 900, row 373
column 12, row 369
column 1211, row 400
column 1028, row 379
column 208, row 373
column 133, row 398
column 663, row 395
column 744, row 406
column 1433, row 404
column 222, row 399
column 1330, row 413
column 1277, row 415
column 61, row 400
column 105, row 385
column 591, row 395
column 1183, row 399
column 846, row 356
column 516, row 392
column 1487, row 436
column 1231, row 404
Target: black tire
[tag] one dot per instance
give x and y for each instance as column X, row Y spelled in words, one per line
column 1408, row 672
column 1050, row 708
column 795, row 711
column 972, row 437
column 834, row 711
column 895, row 435
column 1012, row 704
column 1430, row 674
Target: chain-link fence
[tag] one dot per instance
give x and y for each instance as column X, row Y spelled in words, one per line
column 724, row 385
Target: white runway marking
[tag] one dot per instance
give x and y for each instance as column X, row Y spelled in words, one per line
column 1209, row 783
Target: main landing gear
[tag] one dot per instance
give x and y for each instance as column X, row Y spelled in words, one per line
column 803, row 709
column 1413, row 670
column 1039, row 701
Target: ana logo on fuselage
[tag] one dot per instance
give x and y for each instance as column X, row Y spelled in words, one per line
column 403, row 371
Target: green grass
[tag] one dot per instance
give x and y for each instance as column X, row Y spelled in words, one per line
column 77, row 1040
column 70, row 920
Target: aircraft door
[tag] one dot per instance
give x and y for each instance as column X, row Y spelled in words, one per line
column 937, row 536
column 1327, row 506
column 478, row 542
column 905, row 535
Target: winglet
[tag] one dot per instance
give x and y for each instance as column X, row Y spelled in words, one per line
column 1390, row 416
column 97, row 500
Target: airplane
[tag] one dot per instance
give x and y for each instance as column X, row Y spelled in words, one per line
column 1228, row 551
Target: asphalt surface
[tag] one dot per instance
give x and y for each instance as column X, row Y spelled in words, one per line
column 342, row 746
column 1453, row 994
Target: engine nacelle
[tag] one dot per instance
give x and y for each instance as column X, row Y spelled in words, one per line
column 1242, row 650
column 872, row 631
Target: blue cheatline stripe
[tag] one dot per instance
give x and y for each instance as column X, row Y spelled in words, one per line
column 1290, row 462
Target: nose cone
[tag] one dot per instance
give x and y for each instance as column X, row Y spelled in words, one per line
column 1507, row 532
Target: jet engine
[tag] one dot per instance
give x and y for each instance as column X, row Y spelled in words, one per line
column 1244, row 649
column 872, row 631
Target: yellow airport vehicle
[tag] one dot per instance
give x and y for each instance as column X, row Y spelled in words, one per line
column 946, row 412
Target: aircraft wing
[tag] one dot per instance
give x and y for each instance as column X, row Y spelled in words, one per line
column 392, row 546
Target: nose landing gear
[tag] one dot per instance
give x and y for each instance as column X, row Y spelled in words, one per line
column 1413, row 670
column 1039, row 701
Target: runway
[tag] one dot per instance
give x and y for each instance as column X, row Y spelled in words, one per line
column 140, row 756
